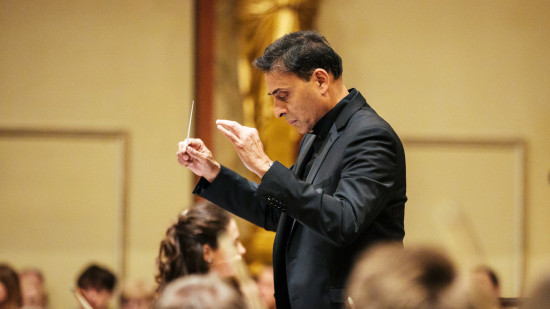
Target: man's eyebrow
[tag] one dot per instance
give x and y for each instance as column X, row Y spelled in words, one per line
column 274, row 91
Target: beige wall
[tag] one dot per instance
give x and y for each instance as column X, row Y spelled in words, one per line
column 460, row 71
column 93, row 66
column 447, row 70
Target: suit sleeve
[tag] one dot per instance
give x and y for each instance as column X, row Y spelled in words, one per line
column 237, row 195
column 365, row 176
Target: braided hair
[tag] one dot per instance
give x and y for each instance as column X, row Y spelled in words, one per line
column 181, row 250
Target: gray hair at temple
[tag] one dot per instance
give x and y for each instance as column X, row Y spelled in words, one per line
column 200, row 292
column 301, row 53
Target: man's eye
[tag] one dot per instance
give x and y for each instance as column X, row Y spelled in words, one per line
column 282, row 98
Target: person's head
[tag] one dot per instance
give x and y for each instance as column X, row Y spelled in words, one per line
column 487, row 279
column 390, row 276
column 303, row 74
column 191, row 244
column 10, row 291
column 32, row 288
column 97, row 284
column 200, row 291
column 266, row 286
column 137, row 294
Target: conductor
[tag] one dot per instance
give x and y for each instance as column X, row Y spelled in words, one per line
column 346, row 190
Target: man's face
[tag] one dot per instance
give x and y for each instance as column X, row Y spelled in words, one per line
column 300, row 102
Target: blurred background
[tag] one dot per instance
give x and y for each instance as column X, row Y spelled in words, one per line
column 95, row 95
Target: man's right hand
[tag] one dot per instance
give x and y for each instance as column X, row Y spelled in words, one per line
column 194, row 155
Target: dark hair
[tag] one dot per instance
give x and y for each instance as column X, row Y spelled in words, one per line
column 300, row 53
column 9, row 278
column 97, row 278
column 181, row 251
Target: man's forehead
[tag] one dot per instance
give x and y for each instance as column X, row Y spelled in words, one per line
column 280, row 81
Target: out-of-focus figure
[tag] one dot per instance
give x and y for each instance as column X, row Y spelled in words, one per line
column 390, row 276
column 137, row 294
column 97, row 284
column 10, row 290
column 540, row 296
column 487, row 280
column 266, row 286
column 33, row 289
column 200, row 291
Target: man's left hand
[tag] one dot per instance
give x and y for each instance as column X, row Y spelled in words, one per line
column 248, row 145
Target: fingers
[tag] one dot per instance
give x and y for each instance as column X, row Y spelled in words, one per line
column 229, row 125
column 228, row 133
column 182, row 145
column 183, row 155
column 194, row 154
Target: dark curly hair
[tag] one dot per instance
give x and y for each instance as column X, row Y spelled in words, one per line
column 300, row 53
column 181, row 250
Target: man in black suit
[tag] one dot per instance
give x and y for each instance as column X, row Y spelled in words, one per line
column 346, row 190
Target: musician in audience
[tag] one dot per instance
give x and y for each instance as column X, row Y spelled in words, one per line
column 137, row 294
column 33, row 289
column 266, row 286
column 97, row 284
column 487, row 279
column 10, row 291
column 191, row 244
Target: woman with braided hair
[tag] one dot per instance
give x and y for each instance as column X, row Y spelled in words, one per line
column 191, row 244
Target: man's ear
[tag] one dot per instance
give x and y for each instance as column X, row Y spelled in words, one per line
column 321, row 79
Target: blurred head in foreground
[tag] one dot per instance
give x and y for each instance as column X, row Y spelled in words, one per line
column 137, row 294
column 200, row 292
column 389, row 276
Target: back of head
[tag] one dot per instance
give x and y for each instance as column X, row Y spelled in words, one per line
column 10, row 282
column 97, row 278
column 181, row 251
column 393, row 277
column 200, row 292
column 300, row 53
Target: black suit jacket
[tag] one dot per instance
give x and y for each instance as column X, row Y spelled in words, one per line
column 354, row 195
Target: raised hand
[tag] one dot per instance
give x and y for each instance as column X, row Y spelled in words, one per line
column 193, row 154
column 247, row 143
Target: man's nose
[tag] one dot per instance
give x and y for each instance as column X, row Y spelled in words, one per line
column 278, row 109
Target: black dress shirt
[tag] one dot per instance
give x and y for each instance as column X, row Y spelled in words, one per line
column 321, row 130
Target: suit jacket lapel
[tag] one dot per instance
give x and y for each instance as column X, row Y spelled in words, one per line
column 353, row 106
column 357, row 102
column 304, row 150
column 333, row 136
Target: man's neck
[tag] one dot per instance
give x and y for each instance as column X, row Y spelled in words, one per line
column 338, row 91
